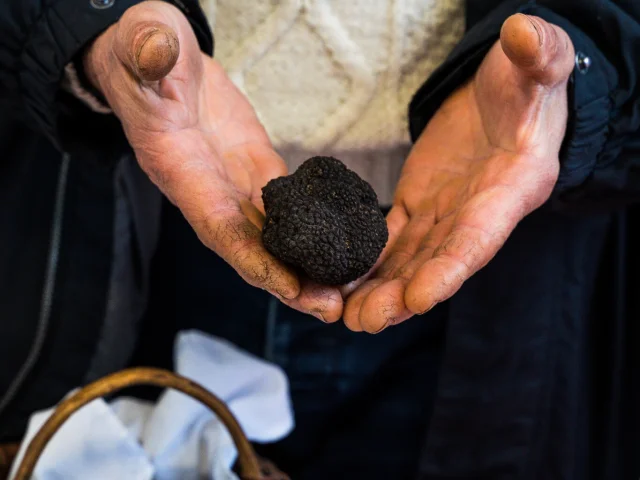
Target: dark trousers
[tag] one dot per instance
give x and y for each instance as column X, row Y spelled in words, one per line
column 361, row 402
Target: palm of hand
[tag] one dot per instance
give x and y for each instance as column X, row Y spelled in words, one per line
column 208, row 127
column 199, row 140
column 487, row 158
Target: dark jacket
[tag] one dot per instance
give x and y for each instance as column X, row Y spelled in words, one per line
column 540, row 376
column 538, row 379
column 78, row 220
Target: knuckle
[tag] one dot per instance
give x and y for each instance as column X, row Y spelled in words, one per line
column 255, row 269
column 465, row 245
column 473, row 254
column 405, row 273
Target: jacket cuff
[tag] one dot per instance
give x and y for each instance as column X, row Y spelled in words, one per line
column 77, row 87
column 590, row 89
column 61, row 32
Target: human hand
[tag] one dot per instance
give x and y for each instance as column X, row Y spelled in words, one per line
column 487, row 158
column 199, row 140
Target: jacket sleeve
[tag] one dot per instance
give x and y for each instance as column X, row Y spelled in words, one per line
column 600, row 157
column 39, row 38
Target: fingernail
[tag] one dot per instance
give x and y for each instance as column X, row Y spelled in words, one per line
column 535, row 27
column 381, row 328
column 319, row 316
column 428, row 308
column 156, row 54
column 287, row 295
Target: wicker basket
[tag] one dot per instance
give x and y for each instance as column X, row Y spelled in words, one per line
column 250, row 467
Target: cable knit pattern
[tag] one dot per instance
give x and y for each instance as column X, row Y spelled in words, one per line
column 335, row 77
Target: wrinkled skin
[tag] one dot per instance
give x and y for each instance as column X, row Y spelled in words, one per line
column 198, row 139
column 487, row 159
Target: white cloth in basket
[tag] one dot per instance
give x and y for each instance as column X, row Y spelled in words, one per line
column 177, row 437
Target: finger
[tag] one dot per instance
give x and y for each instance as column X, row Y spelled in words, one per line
column 321, row 301
column 355, row 292
column 351, row 314
column 428, row 245
column 540, row 50
column 214, row 211
column 239, row 242
column 408, row 243
column 384, row 306
column 478, row 233
column 376, row 305
column 434, row 282
column 149, row 48
column 462, row 253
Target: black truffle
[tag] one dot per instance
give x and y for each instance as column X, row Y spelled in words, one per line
column 325, row 220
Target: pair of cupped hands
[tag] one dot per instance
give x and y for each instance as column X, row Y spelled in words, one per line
column 487, row 159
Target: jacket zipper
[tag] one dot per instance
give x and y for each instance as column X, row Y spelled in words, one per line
column 47, row 291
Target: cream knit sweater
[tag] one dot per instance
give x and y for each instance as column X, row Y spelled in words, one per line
column 331, row 77
column 335, row 77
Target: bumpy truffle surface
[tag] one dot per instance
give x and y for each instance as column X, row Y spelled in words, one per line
column 325, row 220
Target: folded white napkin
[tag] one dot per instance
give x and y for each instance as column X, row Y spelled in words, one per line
column 177, row 437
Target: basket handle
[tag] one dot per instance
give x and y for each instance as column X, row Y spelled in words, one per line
column 247, row 459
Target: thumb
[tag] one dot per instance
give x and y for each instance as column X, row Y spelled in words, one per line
column 541, row 51
column 149, row 49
